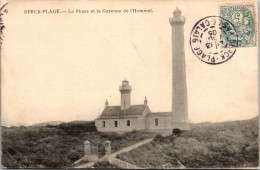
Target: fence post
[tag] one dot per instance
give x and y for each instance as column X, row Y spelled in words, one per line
column 87, row 148
column 107, row 147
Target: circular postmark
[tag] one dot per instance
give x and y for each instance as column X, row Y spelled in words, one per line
column 213, row 40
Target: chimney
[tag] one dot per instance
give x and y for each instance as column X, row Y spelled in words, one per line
column 106, row 104
column 145, row 101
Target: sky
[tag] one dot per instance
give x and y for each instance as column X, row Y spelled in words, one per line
column 62, row 67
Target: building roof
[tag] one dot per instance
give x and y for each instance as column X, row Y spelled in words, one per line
column 116, row 112
column 159, row 114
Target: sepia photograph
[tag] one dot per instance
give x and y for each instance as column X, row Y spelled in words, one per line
column 142, row 84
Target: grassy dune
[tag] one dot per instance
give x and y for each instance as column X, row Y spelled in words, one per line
column 57, row 146
column 212, row 145
column 226, row 144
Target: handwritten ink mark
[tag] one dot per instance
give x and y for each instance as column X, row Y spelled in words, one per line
column 2, row 26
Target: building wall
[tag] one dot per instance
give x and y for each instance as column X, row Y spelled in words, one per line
column 142, row 118
column 135, row 124
column 164, row 122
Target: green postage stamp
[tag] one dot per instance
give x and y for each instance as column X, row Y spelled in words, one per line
column 243, row 19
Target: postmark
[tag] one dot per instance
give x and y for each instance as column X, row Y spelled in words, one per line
column 213, row 40
column 243, row 19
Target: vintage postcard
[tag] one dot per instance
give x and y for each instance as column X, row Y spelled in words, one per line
column 129, row 84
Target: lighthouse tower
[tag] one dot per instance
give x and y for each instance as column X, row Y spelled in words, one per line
column 125, row 90
column 179, row 116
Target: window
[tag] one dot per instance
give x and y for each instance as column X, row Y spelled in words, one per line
column 115, row 123
column 103, row 124
column 156, row 122
column 128, row 122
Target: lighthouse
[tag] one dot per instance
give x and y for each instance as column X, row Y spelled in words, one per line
column 179, row 115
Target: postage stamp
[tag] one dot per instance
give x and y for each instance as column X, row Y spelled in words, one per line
column 213, row 40
column 243, row 19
